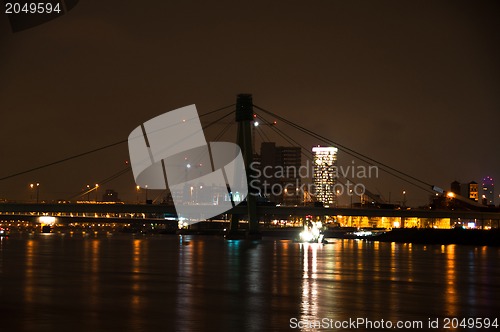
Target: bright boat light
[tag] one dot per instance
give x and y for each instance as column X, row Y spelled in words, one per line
column 363, row 233
column 306, row 236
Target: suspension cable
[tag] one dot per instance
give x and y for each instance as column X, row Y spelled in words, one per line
column 351, row 152
column 104, row 181
column 99, row 149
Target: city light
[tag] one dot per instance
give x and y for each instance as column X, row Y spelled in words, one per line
column 32, row 187
column 47, row 220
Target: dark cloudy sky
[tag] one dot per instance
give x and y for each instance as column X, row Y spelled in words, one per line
column 415, row 84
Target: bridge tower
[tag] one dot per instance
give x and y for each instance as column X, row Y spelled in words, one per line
column 244, row 118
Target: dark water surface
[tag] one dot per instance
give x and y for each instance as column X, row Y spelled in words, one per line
column 171, row 283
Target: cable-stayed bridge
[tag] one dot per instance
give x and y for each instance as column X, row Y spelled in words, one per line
column 245, row 112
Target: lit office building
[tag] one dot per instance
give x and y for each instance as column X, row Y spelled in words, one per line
column 279, row 167
column 290, row 158
column 325, row 161
column 469, row 190
column 488, row 191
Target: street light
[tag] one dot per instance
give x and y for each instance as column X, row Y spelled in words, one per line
column 31, row 191
column 32, row 187
column 146, row 187
column 88, row 193
column 96, row 186
column 404, row 198
column 138, row 189
column 37, row 192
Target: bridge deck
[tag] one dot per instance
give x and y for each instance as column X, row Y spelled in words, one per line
column 20, row 208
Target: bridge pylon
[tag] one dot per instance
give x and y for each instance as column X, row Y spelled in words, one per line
column 244, row 118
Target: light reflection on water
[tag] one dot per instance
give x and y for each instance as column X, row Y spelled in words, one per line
column 184, row 283
column 309, row 307
column 451, row 282
column 136, row 299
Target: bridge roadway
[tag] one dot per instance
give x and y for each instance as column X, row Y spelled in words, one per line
column 128, row 209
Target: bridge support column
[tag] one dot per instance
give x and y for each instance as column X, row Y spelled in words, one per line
column 244, row 118
column 235, row 220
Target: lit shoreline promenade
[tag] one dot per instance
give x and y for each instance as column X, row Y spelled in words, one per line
column 353, row 217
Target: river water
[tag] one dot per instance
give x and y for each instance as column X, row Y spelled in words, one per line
column 125, row 282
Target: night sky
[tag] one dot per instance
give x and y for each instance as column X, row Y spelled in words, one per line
column 414, row 84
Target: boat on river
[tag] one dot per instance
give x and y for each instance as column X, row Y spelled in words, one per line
column 312, row 233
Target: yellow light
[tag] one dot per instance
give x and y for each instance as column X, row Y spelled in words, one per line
column 47, row 220
column 450, row 195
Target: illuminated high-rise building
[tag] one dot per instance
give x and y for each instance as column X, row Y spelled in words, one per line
column 488, row 191
column 325, row 162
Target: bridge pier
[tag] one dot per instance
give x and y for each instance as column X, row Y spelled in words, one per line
column 244, row 118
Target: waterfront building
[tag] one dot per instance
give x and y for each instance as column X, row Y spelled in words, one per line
column 279, row 179
column 473, row 191
column 456, row 187
column 488, row 191
column 469, row 190
column 324, row 176
column 290, row 159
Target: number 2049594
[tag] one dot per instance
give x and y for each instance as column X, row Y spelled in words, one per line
column 32, row 7
column 478, row 323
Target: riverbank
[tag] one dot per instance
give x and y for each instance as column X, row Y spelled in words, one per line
column 476, row 237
